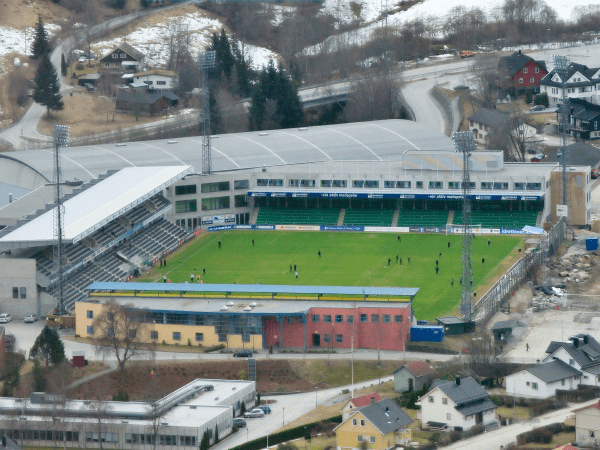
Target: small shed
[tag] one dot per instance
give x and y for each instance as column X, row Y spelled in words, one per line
column 412, row 376
column 453, row 325
column 78, row 359
column 503, row 329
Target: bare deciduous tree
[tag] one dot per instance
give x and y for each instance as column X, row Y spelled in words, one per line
column 376, row 98
column 485, row 72
column 513, row 137
column 120, row 332
column 178, row 40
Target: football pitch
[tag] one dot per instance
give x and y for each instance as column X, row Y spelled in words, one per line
column 347, row 259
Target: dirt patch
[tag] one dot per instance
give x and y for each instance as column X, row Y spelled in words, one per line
column 147, row 381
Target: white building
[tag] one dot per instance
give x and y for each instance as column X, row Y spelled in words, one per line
column 542, row 380
column 157, row 79
column 587, row 425
column 176, row 421
column 582, row 352
column 581, row 82
column 458, row 405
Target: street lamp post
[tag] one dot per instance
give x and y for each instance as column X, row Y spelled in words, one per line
column 283, row 417
column 316, row 396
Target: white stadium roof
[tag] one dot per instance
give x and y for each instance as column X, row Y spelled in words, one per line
column 97, row 205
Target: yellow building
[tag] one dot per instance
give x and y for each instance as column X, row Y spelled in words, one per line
column 380, row 425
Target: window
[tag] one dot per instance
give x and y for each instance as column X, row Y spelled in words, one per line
column 360, row 438
column 350, row 319
column 431, row 399
column 123, row 56
column 487, row 185
column 209, row 204
column 389, row 184
column 90, row 330
column 339, row 318
column 339, row 338
column 537, row 69
column 374, row 318
column 387, row 318
column 240, row 200
column 185, row 189
column 448, row 416
column 525, row 69
column 241, row 184
column 315, row 318
column 184, row 206
column 436, row 185
column 89, row 314
column 454, row 184
column 403, row 184
column 132, row 334
column 327, row 318
column 222, row 337
column 534, row 186
column 110, row 316
column 308, row 183
column 371, row 184
column 419, row 185
column 16, row 293
column 154, row 335
column 326, row 338
column 398, row 318
column 325, row 183
column 520, row 80
column 354, row 422
column 161, row 82
column 519, row 186
column 362, row 422
column 364, row 318
column 571, row 361
column 501, row 186
column 372, row 439
column 562, row 382
column 340, row 183
column 110, row 332
column 294, row 183
column 358, row 183
column 214, row 187
column 444, row 401
column 534, row 385
column 532, row 80
column 176, row 336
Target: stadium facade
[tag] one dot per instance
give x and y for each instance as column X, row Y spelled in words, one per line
column 392, row 175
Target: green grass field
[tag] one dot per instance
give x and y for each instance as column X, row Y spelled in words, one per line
column 353, row 259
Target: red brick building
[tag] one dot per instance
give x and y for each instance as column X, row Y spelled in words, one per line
column 519, row 72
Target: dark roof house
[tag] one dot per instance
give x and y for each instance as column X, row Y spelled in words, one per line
column 519, row 71
column 144, row 102
column 120, row 54
column 553, row 371
column 386, row 415
column 583, row 119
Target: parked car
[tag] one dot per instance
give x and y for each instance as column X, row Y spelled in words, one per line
column 4, row 318
column 532, row 151
column 256, row 412
column 89, row 87
column 537, row 108
column 242, row 354
column 266, row 409
column 595, row 173
column 239, row 422
column 30, row 318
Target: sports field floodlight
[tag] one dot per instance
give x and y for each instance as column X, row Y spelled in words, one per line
column 60, row 138
column 206, row 61
column 561, row 66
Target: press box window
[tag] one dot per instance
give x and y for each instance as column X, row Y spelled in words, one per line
column 240, row 200
column 215, row 187
column 454, row 184
column 519, row 186
column 501, row 186
column 358, row 183
column 308, row 183
column 534, row 186
column 209, row 204
column 487, row 185
column 185, row 189
column 403, row 184
column 325, row 183
column 436, row 185
column 371, row 184
column 419, row 185
column 241, row 184
column 339, row 183
column 184, row 206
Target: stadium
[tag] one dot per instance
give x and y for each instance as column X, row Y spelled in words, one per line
column 130, row 205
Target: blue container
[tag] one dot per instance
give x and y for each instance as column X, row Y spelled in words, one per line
column 427, row 334
column 591, row 243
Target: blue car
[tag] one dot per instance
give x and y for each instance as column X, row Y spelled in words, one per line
column 265, row 408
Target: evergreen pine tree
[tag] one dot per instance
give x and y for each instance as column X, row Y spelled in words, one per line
column 48, row 347
column 47, row 93
column 63, row 65
column 41, row 43
column 39, row 377
column 216, row 434
column 205, row 442
column 258, row 108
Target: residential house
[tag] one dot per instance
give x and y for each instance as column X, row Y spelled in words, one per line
column 113, row 60
column 380, row 425
column 583, row 119
column 412, row 376
column 359, row 402
column 144, row 102
column 543, row 380
column 582, row 83
column 581, row 352
column 486, row 121
column 520, row 72
column 458, row 405
column 157, row 79
column 587, row 425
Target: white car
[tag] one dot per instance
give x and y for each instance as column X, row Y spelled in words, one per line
column 5, row 318
column 30, row 318
column 257, row 412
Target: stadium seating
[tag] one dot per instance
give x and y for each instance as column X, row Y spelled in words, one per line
column 499, row 219
column 369, row 217
column 298, row 216
column 422, row 218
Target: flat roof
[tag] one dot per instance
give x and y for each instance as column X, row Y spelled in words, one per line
column 101, row 203
column 384, row 140
column 274, row 289
column 262, row 307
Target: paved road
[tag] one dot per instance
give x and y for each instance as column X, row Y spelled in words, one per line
column 505, row 435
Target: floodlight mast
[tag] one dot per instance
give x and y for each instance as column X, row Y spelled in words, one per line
column 465, row 144
column 561, row 66
column 206, row 61
column 60, row 138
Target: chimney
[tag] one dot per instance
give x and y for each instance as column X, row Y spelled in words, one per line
column 586, row 339
column 10, row 198
column 519, row 52
column 372, row 399
column 576, row 342
column 458, row 381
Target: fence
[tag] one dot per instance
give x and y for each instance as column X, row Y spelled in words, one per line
column 524, row 269
column 446, row 105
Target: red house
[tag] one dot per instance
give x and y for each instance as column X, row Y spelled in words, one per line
column 519, row 72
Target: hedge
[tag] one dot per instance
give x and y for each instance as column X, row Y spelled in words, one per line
column 286, row 435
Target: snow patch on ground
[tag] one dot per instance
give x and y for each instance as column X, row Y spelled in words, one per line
column 153, row 40
column 19, row 41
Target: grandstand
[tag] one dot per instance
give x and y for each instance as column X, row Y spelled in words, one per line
column 113, row 226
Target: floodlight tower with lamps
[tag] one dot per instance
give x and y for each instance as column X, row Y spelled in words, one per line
column 465, row 144
column 60, row 138
column 207, row 62
column 561, row 65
